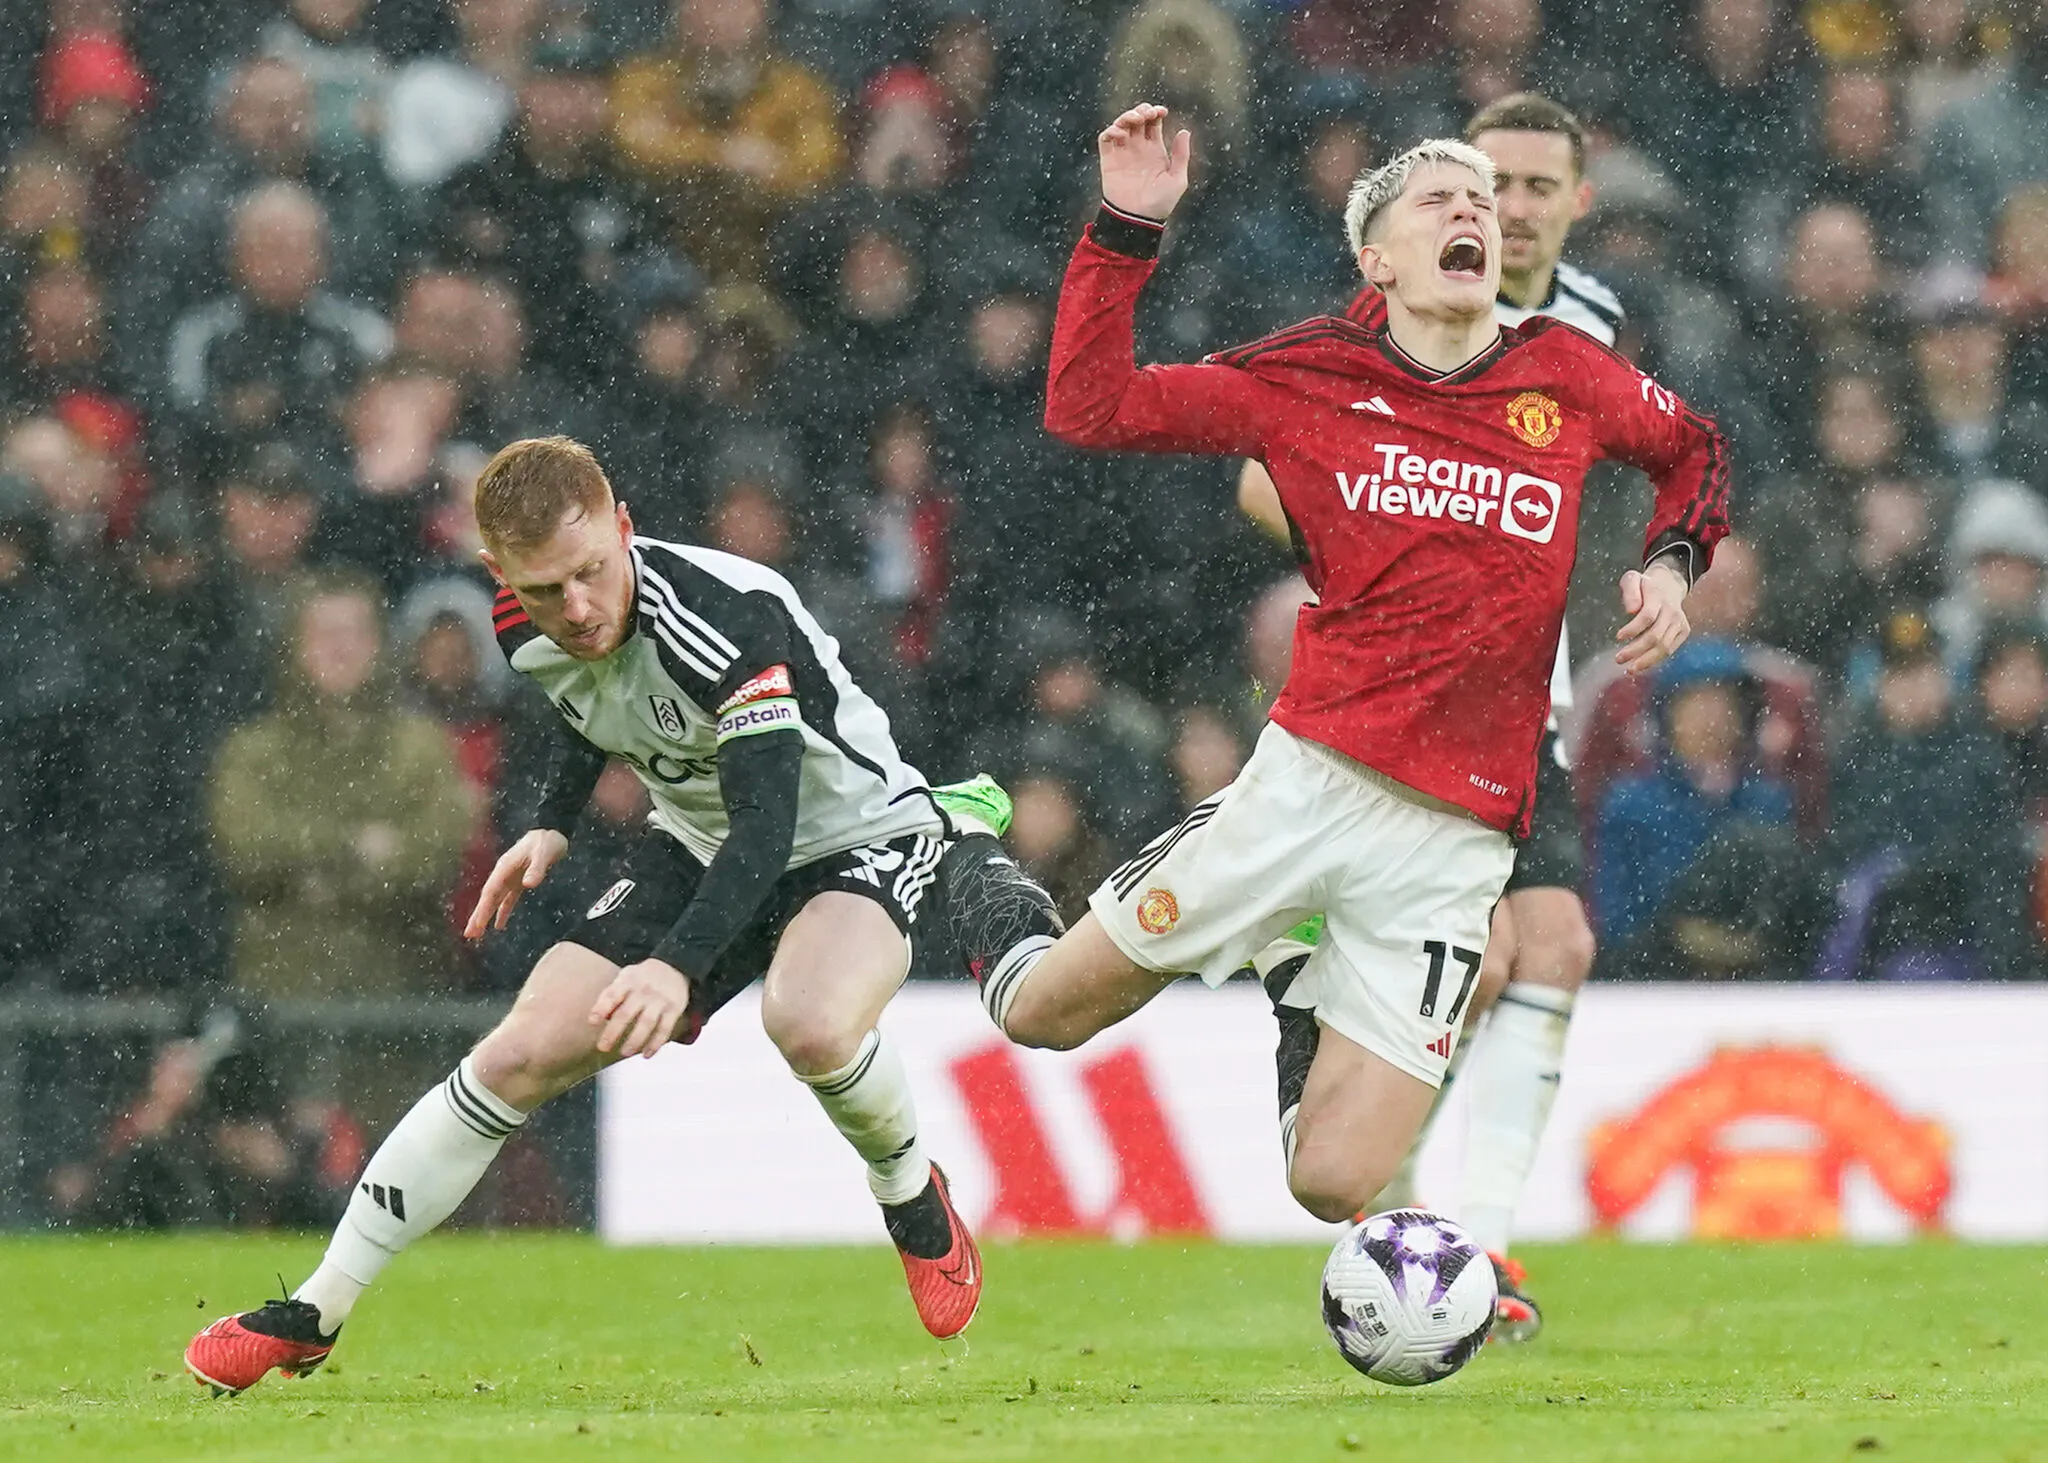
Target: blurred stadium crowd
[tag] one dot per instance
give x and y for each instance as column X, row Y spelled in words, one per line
column 277, row 275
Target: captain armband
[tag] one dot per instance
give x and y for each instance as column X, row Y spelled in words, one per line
column 764, row 704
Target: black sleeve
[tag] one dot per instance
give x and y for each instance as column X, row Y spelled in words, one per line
column 1130, row 234
column 576, row 765
column 572, row 777
column 1684, row 554
column 758, row 777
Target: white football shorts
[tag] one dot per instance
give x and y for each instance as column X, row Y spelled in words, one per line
column 1408, row 889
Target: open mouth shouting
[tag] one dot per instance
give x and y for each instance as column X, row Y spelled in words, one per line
column 1464, row 257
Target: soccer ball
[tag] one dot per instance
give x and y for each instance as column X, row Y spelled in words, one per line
column 1408, row 1297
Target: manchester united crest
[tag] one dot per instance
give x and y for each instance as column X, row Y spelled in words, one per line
column 1158, row 911
column 1535, row 418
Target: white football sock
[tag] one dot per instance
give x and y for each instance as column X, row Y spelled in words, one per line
column 870, row 1104
column 1000, row 986
column 1511, row 1083
column 414, row 1180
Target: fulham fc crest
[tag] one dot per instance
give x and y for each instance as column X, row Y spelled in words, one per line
column 1535, row 418
column 613, row 898
column 669, row 717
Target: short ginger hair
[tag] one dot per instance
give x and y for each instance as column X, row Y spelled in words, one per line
column 525, row 492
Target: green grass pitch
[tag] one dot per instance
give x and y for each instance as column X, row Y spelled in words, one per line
column 512, row 1348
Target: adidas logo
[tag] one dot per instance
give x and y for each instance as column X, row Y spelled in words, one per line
column 1441, row 1047
column 1377, row 403
column 391, row 1200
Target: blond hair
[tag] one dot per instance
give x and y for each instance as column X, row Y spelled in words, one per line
column 1373, row 191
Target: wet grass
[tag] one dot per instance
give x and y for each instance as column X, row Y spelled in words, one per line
column 513, row 1348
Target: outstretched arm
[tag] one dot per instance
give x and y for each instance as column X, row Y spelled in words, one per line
column 1095, row 394
column 572, row 775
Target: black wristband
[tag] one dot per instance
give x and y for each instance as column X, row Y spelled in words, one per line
column 1127, row 233
column 1679, row 551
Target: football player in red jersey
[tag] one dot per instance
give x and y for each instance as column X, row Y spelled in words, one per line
column 1432, row 464
column 1541, row 947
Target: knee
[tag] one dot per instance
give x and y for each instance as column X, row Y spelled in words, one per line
column 1330, row 1192
column 1029, row 1025
column 522, row 1066
column 812, row 1041
column 1564, row 958
column 1043, row 1038
column 1331, row 1183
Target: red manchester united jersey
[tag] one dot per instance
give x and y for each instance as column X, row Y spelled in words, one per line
column 1437, row 513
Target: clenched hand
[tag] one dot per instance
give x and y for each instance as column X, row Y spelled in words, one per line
column 1654, row 600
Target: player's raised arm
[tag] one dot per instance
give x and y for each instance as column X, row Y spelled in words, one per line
column 1095, row 394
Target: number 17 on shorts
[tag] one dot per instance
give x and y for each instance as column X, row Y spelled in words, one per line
column 1440, row 955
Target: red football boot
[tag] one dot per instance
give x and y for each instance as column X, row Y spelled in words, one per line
column 236, row 1352
column 1516, row 1316
column 947, row 1290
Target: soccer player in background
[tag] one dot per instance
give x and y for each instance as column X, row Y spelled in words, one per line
column 1541, row 947
column 787, row 840
column 1431, row 463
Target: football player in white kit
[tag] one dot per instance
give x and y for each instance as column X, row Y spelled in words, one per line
column 1540, row 950
column 789, row 842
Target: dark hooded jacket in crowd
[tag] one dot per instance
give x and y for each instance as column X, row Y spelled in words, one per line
column 652, row 434
column 857, row 359
column 180, row 256
column 1031, row 516
column 559, row 237
column 167, row 671
column 46, row 702
column 1943, row 808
